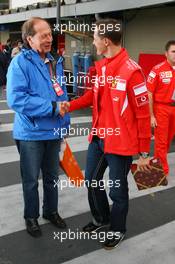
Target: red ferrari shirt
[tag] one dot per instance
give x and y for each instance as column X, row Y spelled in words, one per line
column 161, row 83
column 122, row 104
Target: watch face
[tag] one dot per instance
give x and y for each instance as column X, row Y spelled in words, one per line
column 144, row 155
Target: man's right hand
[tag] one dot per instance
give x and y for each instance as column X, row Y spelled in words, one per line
column 63, row 107
column 153, row 121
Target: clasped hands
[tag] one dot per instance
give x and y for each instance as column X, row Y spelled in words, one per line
column 63, row 108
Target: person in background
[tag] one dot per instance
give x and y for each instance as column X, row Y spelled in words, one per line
column 17, row 48
column 3, row 71
column 35, row 92
column 161, row 86
column 8, row 45
column 8, row 49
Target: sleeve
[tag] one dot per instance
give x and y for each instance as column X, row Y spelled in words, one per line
column 20, row 98
column 152, row 80
column 138, row 98
column 84, row 101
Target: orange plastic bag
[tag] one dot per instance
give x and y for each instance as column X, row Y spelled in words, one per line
column 69, row 164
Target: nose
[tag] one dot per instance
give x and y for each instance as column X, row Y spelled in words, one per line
column 49, row 38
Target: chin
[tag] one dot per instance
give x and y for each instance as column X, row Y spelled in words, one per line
column 47, row 50
column 99, row 53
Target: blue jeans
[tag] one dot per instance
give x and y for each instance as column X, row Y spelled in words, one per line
column 36, row 156
column 119, row 167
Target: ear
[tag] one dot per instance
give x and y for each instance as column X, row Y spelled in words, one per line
column 106, row 42
column 29, row 39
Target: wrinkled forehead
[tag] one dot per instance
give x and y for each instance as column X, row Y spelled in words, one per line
column 42, row 27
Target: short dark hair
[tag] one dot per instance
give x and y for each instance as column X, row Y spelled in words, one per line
column 9, row 40
column 28, row 29
column 111, row 29
column 168, row 44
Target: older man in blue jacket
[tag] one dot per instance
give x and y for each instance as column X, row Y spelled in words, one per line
column 35, row 91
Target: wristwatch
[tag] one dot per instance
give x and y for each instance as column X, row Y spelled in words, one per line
column 144, row 155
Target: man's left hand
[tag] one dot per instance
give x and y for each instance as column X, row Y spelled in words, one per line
column 143, row 164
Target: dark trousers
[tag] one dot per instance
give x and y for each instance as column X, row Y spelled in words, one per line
column 119, row 167
column 36, row 156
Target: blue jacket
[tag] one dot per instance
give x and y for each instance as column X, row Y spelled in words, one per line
column 31, row 95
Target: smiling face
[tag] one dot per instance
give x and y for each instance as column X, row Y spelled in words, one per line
column 170, row 54
column 100, row 43
column 42, row 39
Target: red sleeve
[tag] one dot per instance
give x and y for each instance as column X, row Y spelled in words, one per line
column 138, row 98
column 82, row 102
column 152, row 80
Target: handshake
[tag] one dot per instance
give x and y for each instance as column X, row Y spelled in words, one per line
column 63, row 107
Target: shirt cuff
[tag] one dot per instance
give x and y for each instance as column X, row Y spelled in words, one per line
column 55, row 110
column 73, row 105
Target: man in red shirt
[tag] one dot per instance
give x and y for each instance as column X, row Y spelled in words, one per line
column 161, row 86
column 120, row 129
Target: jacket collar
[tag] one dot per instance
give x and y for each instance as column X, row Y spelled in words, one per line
column 169, row 65
column 114, row 62
column 33, row 56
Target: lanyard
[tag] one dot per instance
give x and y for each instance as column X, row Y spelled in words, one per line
column 57, row 88
column 52, row 70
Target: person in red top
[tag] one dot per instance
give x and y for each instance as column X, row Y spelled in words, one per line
column 120, row 129
column 161, row 86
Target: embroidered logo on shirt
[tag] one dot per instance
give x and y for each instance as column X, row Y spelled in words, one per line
column 116, row 99
column 152, row 74
column 151, row 77
column 118, row 84
column 166, row 74
column 142, row 100
column 167, row 80
column 113, row 84
column 121, row 85
column 139, row 89
column 169, row 74
column 150, row 80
